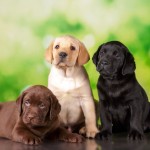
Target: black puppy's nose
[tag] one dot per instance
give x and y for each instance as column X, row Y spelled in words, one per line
column 62, row 54
column 104, row 62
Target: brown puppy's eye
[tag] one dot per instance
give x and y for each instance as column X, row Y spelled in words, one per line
column 57, row 47
column 72, row 48
column 27, row 103
column 42, row 106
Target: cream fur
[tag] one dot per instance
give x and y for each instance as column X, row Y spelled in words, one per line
column 72, row 88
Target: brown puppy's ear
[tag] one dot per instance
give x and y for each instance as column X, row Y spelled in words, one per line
column 19, row 102
column 95, row 56
column 129, row 64
column 49, row 53
column 83, row 56
column 54, row 107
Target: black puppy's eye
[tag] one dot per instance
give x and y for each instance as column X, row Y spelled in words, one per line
column 102, row 52
column 57, row 47
column 27, row 103
column 42, row 106
column 72, row 48
column 115, row 53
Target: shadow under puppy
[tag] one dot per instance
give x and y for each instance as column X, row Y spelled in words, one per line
column 123, row 102
column 34, row 117
column 69, row 81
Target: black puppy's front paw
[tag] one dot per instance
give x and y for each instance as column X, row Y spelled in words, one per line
column 103, row 135
column 135, row 135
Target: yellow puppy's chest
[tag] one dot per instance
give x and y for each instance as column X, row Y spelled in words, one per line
column 71, row 112
column 68, row 93
column 64, row 85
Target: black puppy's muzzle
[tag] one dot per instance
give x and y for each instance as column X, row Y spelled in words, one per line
column 62, row 55
column 102, row 65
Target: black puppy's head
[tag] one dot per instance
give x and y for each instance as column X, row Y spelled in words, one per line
column 113, row 59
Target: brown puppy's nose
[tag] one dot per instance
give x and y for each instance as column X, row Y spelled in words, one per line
column 31, row 116
column 62, row 54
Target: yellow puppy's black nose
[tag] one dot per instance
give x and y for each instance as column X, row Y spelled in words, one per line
column 62, row 54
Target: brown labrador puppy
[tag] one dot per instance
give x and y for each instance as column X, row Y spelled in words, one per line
column 37, row 118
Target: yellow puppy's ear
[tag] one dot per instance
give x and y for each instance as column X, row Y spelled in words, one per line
column 83, row 56
column 48, row 53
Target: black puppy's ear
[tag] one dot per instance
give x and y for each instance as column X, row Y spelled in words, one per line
column 19, row 102
column 54, row 107
column 129, row 64
column 95, row 56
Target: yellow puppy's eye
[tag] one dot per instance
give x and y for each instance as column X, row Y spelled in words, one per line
column 72, row 48
column 57, row 46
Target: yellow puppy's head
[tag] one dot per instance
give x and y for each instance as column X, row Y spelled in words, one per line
column 67, row 51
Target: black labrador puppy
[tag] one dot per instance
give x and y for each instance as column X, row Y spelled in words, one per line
column 123, row 102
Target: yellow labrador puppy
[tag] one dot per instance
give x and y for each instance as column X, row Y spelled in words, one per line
column 69, row 81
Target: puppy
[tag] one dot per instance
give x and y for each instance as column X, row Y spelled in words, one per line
column 69, row 81
column 123, row 102
column 34, row 117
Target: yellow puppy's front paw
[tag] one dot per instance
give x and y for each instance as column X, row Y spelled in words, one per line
column 82, row 131
column 91, row 132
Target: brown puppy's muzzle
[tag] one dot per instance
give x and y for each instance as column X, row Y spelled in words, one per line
column 33, row 116
column 33, row 119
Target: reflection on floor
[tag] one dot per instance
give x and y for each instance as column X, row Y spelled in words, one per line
column 118, row 142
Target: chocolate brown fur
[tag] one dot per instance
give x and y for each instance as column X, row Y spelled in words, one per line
column 33, row 117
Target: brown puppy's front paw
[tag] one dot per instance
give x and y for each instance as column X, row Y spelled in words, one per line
column 73, row 138
column 31, row 140
column 28, row 139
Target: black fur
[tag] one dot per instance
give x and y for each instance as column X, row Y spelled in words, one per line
column 123, row 102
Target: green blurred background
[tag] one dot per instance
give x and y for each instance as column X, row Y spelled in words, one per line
column 27, row 27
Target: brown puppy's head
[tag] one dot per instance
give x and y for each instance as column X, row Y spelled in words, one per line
column 66, row 51
column 38, row 106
